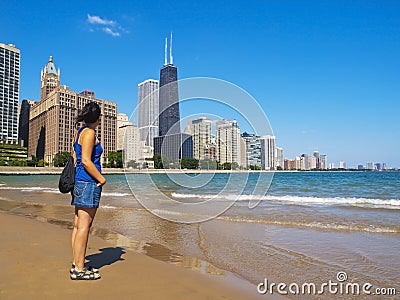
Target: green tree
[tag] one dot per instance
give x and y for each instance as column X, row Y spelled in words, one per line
column 158, row 164
column 114, row 159
column 41, row 163
column 235, row 165
column 255, row 167
column 227, row 166
column 189, row 163
column 3, row 162
column 60, row 159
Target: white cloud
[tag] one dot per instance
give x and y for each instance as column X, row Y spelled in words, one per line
column 110, row 31
column 110, row 27
column 100, row 21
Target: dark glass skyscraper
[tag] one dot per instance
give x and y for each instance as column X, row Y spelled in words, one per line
column 171, row 142
column 169, row 101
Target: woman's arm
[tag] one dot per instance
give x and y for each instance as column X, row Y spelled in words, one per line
column 87, row 139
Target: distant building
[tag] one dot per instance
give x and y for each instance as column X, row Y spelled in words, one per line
column 210, row 150
column 148, row 104
column 171, row 142
column 298, row 162
column 369, row 166
column 228, row 141
column 200, row 129
column 268, row 146
column 52, row 120
column 317, row 160
column 360, row 167
column 312, row 162
column 290, row 164
column 132, row 146
column 323, row 162
column 342, row 165
column 304, row 162
column 253, row 149
column 279, row 157
column 331, row 166
column 23, row 127
column 243, row 156
column 122, row 123
column 9, row 92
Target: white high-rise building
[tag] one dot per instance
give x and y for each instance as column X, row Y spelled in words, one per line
column 122, row 123
column 200, row 129
column 9, row 92
column 312, row 162
column 148, row 110
column 268, row 145
column 228, row 142
column 243, row 153
column 132, row 146
column 279, row 157
column 342, row 165
column 323, row 162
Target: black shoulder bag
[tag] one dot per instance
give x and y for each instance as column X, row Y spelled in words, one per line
column 67, row 178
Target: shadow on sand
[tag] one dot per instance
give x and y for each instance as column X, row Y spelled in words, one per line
column 107, row 256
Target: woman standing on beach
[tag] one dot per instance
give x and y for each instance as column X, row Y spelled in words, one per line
column 87, row 189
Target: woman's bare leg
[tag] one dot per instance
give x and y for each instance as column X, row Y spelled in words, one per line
column 84, row 222
column 74, row 232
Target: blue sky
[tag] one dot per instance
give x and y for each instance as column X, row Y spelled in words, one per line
column 326, row 73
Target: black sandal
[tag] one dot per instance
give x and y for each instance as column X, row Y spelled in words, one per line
column 85, row 274
column 89, row 268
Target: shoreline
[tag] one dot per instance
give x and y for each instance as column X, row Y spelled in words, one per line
column 11, row 170
column 155, row 279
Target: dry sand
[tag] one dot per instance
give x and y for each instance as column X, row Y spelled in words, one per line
column 35, row 259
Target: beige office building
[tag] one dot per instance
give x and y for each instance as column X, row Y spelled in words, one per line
column 52, row 119
column 200, row 129
column 228, row 142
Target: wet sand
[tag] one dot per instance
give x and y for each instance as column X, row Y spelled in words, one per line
column 35, row 260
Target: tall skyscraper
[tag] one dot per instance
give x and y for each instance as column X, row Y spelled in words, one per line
column 228, row 142
column 148, row 110
column 171, row 142
column 9, row 92
column 201, row 136
column 169, row 116
column 268, row 146
column 52, row 120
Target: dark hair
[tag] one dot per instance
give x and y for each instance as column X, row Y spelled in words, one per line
column 90, row 113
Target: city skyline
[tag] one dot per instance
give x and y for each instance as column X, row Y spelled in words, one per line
column 325, row 74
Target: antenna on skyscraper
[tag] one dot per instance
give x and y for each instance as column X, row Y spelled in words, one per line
column 165, row 52
column 171, row 60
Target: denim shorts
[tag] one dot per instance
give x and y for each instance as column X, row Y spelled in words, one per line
column 86, row 194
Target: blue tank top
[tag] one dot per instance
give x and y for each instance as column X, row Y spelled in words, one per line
column 80, row 173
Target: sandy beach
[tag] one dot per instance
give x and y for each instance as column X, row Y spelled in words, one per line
column 35, row 259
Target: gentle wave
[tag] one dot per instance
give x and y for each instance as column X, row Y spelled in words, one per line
column 318, row 225
column 290, row 223
column 389, row 203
